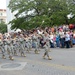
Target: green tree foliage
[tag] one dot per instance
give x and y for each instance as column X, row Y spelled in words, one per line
column 34, row 13
column 3, row 27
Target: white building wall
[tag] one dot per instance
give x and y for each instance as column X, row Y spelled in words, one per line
column 10, row 16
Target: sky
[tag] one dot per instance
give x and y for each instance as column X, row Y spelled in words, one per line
column 2, row 4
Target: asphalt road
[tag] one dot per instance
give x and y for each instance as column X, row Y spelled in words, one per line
column 62, row 63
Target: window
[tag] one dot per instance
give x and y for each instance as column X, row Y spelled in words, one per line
column 1, row 20
column 1, row 14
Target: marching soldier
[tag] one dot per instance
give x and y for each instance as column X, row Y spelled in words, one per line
column 46, row 45
column 35, row 41
column 30, row 42
column 14, row 47
column 22, row 46
column 27, row 43
column 7, row 47
column 2, row 46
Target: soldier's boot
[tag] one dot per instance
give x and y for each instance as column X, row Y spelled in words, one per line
column 11, row 58
column 49, row 58
column 49, row 50
column 28, row 51
column 37, row 52
column 44, row 56
column 22, row 54
column 15, row 54
column 3, row 57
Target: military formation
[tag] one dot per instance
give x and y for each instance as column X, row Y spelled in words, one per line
column 20, row 44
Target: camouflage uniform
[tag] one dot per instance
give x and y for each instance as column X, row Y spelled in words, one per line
column 2, row 48
column 7, row 47
column 15, row 47
column 46, row 45
column 22, row 46
column 28, row 43
column 35, row 41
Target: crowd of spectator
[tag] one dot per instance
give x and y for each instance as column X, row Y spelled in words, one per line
column 59, row 36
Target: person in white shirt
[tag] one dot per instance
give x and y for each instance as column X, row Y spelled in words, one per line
column 62, row 38
column 67, row 40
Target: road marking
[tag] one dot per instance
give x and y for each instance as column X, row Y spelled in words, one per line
column 12, row 66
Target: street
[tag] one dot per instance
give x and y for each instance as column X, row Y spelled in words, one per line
column 62, row 63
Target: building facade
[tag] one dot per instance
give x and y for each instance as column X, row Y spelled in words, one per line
column 3, row 16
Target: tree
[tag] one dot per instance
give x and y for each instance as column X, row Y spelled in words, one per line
column 3, row 27
column 34, row 13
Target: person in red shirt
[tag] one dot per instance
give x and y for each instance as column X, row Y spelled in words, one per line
column 71, row 26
